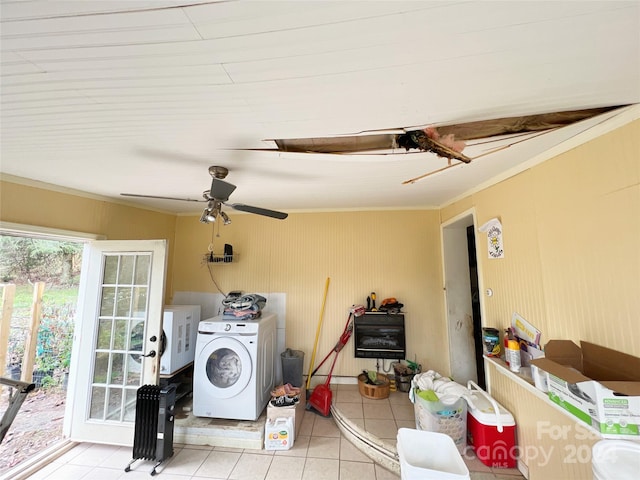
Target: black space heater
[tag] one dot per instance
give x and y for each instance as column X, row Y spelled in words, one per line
column 153, row 434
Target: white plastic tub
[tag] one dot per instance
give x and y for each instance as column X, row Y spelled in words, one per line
column 615, row 460
column 429, row 455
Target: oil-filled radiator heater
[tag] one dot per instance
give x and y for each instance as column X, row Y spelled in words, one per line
column 153, row 434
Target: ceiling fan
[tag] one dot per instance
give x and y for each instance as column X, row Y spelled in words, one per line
column 216, row 197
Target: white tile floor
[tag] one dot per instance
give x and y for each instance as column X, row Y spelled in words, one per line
column 320, row 452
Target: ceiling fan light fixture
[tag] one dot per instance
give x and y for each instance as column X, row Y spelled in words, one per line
column 225, row 218
column 206, row 217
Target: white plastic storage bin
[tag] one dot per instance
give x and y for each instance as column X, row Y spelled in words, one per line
column 180, row 326
column 429, row 455
column 615, row 460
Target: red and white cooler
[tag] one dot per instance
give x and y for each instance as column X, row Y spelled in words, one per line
column 491, row 430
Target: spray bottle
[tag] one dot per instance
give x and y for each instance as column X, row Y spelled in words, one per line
column 507, row 336
column 513, row 355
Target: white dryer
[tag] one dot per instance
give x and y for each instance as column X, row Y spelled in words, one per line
column 234, row 367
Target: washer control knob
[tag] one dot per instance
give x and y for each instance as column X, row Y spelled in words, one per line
column 227, row 327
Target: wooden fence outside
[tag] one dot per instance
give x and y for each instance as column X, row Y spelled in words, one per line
column 28, row 359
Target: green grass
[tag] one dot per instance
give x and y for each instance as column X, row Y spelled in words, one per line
column 52, row 296
column 56, row 328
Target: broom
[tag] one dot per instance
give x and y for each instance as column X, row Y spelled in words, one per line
column 315, row 345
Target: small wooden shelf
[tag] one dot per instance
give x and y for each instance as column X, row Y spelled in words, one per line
column 527, row 383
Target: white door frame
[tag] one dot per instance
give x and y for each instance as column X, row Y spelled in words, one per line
column 457, row 295
column 77, row 423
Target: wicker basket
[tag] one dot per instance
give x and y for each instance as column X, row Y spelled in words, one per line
column 376, row 392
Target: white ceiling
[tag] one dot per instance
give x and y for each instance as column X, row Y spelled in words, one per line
column 143, row 96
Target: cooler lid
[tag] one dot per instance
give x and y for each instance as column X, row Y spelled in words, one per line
column 485, row 413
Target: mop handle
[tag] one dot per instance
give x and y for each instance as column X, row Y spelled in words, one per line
column 344, row 338
column 315, row 345
column 333, row 364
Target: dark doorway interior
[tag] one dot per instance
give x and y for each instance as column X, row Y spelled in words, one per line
column 475, row 305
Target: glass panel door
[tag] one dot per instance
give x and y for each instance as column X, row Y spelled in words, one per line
column 119, row 324
column 118, row 349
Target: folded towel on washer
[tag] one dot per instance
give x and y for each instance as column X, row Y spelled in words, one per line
column 245, row 307
column 248, row 314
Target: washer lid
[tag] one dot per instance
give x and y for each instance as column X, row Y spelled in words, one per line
column 225, row 365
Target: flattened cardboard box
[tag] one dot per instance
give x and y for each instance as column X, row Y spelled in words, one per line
column 598, row 385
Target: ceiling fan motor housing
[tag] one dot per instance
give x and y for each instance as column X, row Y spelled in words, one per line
column 218, row 172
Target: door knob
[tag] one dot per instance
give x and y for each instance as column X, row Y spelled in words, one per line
column 151, row 354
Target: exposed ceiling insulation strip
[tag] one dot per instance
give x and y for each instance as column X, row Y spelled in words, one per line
column 371, row 141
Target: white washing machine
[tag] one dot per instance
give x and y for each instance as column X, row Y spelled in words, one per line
column 234, row 367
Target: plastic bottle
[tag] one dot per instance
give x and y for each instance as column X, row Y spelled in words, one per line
column 513, row 355
column 507, row 336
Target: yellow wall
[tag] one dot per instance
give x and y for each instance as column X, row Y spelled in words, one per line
column 29, row 205
column 394, row 253
column 572, row 263
column 571, row 266
column 571, row 228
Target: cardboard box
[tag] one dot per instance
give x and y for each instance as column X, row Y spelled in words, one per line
column 598, row 385
column 294, row 411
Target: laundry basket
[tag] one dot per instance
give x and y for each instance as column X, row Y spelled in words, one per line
column 448, row 415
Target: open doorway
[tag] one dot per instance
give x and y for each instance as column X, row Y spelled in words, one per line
column 39, row 274
column 462, row 300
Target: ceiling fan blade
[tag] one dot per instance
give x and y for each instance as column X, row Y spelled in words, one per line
column 258, row 210
column 221, row 190
column 161, row 198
